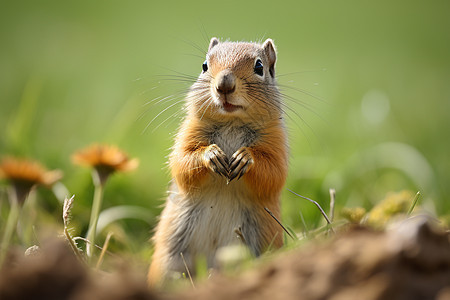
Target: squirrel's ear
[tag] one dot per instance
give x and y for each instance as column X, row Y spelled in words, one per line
column 269, row 50
column 214, row 41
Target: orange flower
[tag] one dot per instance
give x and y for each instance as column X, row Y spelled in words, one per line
column 105, row 159
column 25, row 174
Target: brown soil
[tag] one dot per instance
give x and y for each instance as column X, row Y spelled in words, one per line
column 409, row 262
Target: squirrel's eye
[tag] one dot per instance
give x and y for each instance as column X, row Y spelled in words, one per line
column 259, row 68
column 205, row 66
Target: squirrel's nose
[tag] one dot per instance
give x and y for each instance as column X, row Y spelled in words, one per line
column 225, row 83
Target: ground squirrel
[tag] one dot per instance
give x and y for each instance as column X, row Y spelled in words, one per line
column 228, row 163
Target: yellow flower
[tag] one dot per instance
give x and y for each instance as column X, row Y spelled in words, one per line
column 354, row 214
column 105, row 159
column 24, row 174
column 393, row 205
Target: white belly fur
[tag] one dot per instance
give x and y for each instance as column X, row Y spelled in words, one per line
column 208, row 222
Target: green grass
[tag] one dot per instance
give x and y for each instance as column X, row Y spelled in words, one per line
column 366, row 85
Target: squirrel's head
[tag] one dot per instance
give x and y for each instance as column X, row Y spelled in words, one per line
column 237, row 81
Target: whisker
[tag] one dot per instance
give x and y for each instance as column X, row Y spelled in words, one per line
column 301, row 72
column 205, row 36
column 210, row 100
column 161, row 112
column 305, row 106
column 161, row 99
column 195, row 55
column 172, row 117
column 158, row 100
column 178, row 75
column 303, row 92
column 195, row 46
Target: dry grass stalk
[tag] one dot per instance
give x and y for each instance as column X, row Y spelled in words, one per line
column 105, row 247
column 318, row 206
column 187, row 270
column 332, row 202
column 67, row 207
column 279, row 223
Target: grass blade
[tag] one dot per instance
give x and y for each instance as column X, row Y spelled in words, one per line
column 414, row 202
column 318, row 206
column 279, row 223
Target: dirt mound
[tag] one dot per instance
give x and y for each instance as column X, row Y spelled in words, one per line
column 411, row 261
column 55, row 273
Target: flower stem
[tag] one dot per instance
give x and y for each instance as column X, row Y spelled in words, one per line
column 96, row 205
column 11, row 224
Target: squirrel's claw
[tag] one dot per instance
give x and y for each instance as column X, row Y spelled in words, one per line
column 216, row 160
column 240, row 163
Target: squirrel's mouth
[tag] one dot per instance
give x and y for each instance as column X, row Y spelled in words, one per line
column 229, row 108
column 223, row 103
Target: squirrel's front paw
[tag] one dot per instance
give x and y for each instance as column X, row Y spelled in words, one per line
column 216, row 160
column 240, row 163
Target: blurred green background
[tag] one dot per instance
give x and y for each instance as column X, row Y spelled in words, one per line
column 367, row 84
